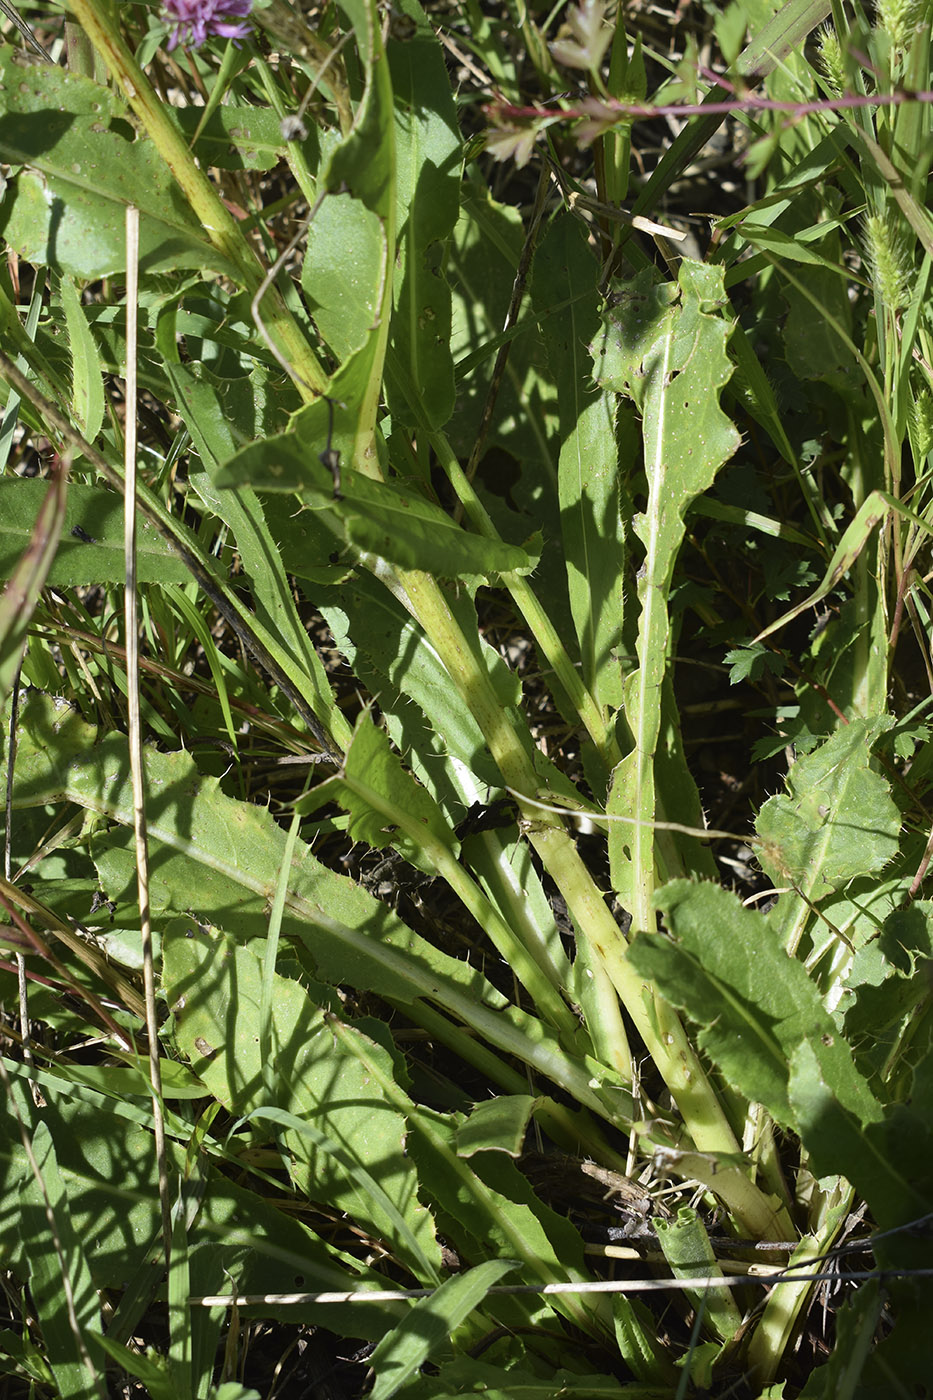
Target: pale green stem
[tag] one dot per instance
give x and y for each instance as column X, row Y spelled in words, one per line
column 294, row 151
column 532, row 966
column 687, row 1249
column 656, row 1021
column 783, row 1307
column 584, row 1312
column 572, row 1129
column 540, row 625
column 218, row 223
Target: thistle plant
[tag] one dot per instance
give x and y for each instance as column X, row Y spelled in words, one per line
column 196, row 20
column 533, row 702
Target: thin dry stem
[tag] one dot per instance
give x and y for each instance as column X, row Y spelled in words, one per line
column 135, row 735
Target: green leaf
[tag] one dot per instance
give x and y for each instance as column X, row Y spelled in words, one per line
column 430, row 1325
column 375, row 517
column 220, row 417
column 91, row 547
column 384, row 800
column 373, row 628
column 234, row 137
column 565, row 293
column 67, row 210
column 814, row 350
column 152, row 1370
column 482, row 261
column 838, row 1142
column 27, row 577
column 837, row 820
column 857, row 1325
column 488, row 1206
column 497, row 1125
column 726, row 968
column 686, row 1247
column 665, row 348
column 470, row 1376
column 105, row 1157
column 345, row 272
column 594, row 546
column 752, row 662
column 87, row 381
column 222, row 859
column 427, row 157
column 62, row 1330
column 360, row 172
column 334, row 1121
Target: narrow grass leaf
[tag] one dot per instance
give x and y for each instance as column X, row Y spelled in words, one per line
column 179, row 1292
column 430, row 1325
column 783, row 33
column 873, row 510
column 151, row 1369
column 200, row 629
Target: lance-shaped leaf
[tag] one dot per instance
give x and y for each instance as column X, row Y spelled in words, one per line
column 67, row 1304
column 566, row 275
column 430, row 1325
column 220, row 416
column 392, row 521
column 348, row 265
column 725, row 966
column 665, row 348
column 103, row 1149
column 87, row 380
column 28, row 575
column 878, row 1165
column 387, row 806
column 428, row 158
column 428, row 717
column 213, row 855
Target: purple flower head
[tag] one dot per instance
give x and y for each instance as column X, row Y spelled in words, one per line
column 196, row 19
